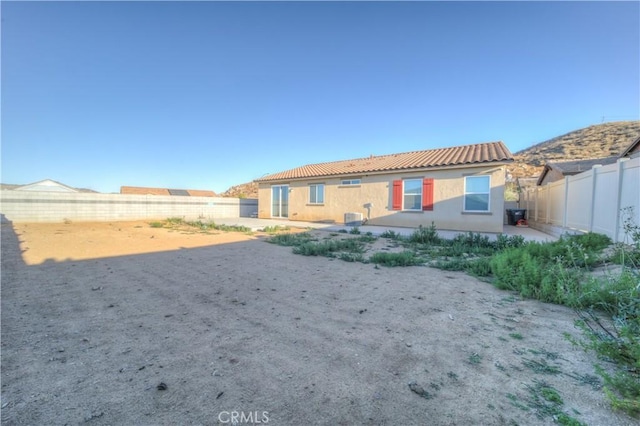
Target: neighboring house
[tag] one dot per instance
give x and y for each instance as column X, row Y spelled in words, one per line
column 459, row 188
column 139, row 190
column 46, row 185
column 556, row 171
column 632, row 150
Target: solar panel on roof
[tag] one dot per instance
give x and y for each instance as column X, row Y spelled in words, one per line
column 182, row 192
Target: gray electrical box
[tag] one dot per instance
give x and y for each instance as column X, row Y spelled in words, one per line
column 353, row 219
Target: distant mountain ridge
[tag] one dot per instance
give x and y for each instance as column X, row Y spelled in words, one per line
column 597, row 141
column 244, row 190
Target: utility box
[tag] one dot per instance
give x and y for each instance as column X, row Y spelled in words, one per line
column 353, row 219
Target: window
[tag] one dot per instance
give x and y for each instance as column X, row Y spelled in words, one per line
column 350, row 182
column 413, row 194
column 316, row 193
column 476, row 193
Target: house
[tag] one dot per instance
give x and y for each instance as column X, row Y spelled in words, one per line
column 139, row 190
column 459, row 188
column 632, row 150
column 46, row 185
column 556, row 171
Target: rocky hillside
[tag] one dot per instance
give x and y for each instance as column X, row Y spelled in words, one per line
column 601, row 140
column 245, row 190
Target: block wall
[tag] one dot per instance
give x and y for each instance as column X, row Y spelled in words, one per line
column 23, row 206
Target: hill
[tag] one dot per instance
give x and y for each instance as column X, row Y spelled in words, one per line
column 244, row 190
column 598, row 141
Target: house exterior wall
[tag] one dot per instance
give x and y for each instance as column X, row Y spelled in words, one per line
column 375, row 191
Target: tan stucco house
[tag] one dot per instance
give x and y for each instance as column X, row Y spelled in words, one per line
column 458, row 188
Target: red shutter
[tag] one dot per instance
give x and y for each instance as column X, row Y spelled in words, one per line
column 397, row 195
column 427, row 194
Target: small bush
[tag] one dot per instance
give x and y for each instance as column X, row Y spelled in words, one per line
column 473, row 239
column 591, row 241
column 366, row 238
column 508, row 241
column 328, row 248
column 425, row 235
column 275, row 229
column 479, row 267
column 355, row 230
column 405, row 258
column 156, row 224
column 290, row 240
column 392, row 235
column 352, row 257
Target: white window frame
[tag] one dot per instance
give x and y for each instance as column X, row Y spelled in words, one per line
column 488, row 193
column 315, row 190
column 404, row 181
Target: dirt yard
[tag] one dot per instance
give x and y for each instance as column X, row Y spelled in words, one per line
column 122, row 323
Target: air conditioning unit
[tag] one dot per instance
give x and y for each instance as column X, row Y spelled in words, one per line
column 353, row 219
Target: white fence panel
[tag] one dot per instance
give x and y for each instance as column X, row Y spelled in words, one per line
column 605, row 207
column 556, row 202
column 630, row 192
column 541, row 205
column 591, row 201
column 579, row 201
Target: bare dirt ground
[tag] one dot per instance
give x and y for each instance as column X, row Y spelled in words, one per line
column 96, row 316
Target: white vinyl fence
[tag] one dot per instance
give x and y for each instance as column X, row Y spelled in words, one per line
column 598, row 200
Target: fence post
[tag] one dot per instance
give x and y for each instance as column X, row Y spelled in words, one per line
column 594, row 172
column 548, row 213
column 535, row 203
column 619, row 178
column 566, row 202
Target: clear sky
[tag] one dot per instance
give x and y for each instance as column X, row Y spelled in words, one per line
column 205, row 95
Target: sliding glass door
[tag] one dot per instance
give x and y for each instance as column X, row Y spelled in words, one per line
column 280, row 201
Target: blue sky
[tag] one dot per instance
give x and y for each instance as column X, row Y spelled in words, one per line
column 205, row 95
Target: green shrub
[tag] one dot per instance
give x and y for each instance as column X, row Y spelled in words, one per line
column 328, row 248
column 392, row 235
column 473, row 239
column 517, row 269
column 456, row 264
column 352, row 257
column 355, row 230
column 591, row 241
column 425, row 235
column 508, row 241
column 479, row 267
column 366, row 238
column 275, row 229
column 405, row 258
column 290, row 239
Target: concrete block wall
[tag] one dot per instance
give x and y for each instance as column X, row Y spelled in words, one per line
column 24, row 206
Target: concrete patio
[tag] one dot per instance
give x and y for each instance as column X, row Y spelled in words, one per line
column 529, row 234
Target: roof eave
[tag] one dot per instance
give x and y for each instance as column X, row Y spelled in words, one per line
column 392, row 171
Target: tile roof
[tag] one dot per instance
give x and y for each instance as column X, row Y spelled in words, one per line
column 443, row 157
column 139, row 190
